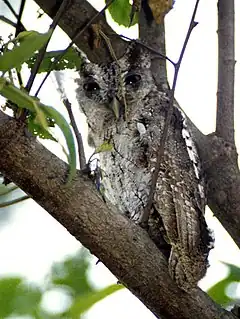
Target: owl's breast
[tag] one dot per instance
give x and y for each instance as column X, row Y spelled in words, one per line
column 126, row 175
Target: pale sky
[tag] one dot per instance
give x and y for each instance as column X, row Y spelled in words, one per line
column 31, row 240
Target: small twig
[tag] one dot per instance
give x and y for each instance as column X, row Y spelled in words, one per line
column 162, row 56
column 14, row 201
column 78, row 34
column 8, row 4
column 226, row 65
column 81, row 153
column 8, row 21
column 42, row 51
column 19, row 25
column 19, row 28
column 147, row 209
column 61, row 89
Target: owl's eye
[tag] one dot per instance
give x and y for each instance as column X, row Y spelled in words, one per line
column 91, row 86
column 132, row 79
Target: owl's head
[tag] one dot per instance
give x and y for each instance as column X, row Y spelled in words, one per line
column 105, row 90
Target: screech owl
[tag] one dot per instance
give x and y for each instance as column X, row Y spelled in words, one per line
column 124, row 107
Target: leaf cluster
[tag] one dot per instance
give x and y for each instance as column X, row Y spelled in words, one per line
column 224, row 291
column 39, row 116
column 18, row 297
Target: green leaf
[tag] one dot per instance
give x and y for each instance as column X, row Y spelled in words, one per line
column 234, row 271
column 65, row 128
column 16, row 297
column 26, row 44
column 104, row 147
column 8, row 289
column 85, row 302
column 23, row 100
column 120, row 11
column 73, row 273
column 70, row 60
column 27, row 299
column 218, row 291
column 36, row 129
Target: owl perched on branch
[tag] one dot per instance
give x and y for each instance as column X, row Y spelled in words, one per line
column 124, row 108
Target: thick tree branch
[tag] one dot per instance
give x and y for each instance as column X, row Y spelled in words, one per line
column 154, row 35
column 122, row 246
column 75, row 18
column 219, row 159
column 226, row 64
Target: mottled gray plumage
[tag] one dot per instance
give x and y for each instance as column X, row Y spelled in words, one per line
column 176, row 223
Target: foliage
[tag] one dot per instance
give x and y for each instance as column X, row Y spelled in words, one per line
column 41, row 116
column 219, row 292
column 126, row 14
column 24, row 45
column 41, row 112
column 120, row 11
column 69, row 60
column 38, row 130
column 21, row 298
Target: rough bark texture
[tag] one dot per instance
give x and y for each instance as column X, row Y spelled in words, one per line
column 226, row 65
column 123, row 247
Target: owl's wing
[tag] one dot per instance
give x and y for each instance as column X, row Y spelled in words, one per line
column 179, row 199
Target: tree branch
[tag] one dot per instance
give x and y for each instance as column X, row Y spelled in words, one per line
column 121, row 245
column 75, row 18
column 226, row 65
column 154, row 36
column 219, row 159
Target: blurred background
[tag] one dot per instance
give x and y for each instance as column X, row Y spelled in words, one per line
column 45, row 273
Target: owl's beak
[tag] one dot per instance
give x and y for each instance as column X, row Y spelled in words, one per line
column 116, row 107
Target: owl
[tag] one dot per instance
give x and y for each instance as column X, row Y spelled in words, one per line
column 124, row 108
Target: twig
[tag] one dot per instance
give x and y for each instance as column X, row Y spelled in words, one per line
column 61, row 89
column 226, row 63
column 42, row 51
column 162, row 56
column 19, row 25
column 19, row 28
column 81, row 153
column 147, row 209
column 14, row 201
column 78, row 34
column 8, row 4
column 8, row 21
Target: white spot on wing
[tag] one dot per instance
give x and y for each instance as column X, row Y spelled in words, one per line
column 141, row 128
column 193, row 154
